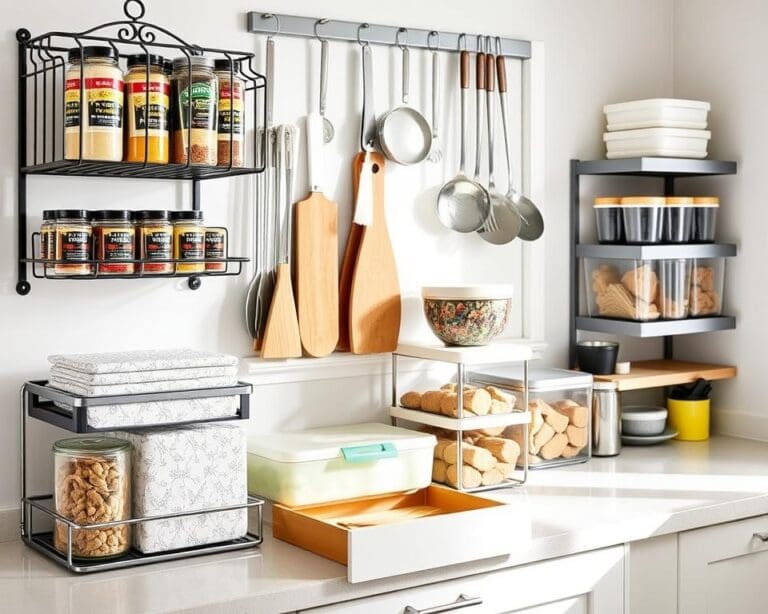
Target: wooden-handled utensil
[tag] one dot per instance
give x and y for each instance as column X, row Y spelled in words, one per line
column 317, row 268
column 374, row 305
column 281, row 334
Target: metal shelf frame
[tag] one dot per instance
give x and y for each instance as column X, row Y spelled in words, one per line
column 39, row 401
column 41, row 126
column 462, row 420
column 667, row 169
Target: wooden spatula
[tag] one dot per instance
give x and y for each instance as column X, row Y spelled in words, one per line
column 348, row 262
column 281, row 334
column 317, row 246
column 374, row 305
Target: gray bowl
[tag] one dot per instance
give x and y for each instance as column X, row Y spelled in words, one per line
column 643, row 420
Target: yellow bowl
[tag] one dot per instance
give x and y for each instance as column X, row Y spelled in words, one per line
column 689, row 418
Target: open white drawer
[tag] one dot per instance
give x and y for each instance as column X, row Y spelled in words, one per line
column 459, row 528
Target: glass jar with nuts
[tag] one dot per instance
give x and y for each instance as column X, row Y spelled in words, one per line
column 92, row 485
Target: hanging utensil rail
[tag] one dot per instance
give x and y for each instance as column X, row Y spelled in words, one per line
column 331, row 29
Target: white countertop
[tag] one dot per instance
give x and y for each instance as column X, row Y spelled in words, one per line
column 642, row 493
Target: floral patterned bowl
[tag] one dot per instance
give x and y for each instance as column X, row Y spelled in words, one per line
column 469, row 315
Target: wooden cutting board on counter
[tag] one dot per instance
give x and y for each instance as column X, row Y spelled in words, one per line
column 374, row 303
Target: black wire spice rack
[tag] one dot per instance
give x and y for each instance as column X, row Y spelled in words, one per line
column 42, row 68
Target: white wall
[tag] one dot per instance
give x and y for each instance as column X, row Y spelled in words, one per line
column 719, row 50
column 597, row 51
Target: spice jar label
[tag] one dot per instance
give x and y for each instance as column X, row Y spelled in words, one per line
column 157, row 245
column 152, row 116
column 114, row 244
column 203, row 113
column 104, row 98
column 73, row 245
column 191, row 245
column 230, row 106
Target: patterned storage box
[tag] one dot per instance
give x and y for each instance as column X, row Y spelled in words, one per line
column 187, row 468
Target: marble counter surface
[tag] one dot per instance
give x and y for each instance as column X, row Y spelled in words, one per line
column 639, row 494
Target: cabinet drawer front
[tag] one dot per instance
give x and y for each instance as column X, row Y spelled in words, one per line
column 590, row 582
column 722, row 569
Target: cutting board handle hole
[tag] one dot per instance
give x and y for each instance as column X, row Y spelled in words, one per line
column 375, row 169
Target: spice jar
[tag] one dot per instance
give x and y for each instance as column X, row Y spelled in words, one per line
column 102, row 119
column 113, row 242
column 215, row 247
column 195, row 99
column 188, row 240
column 231, row 95
column 71, row 244
column 46, row 235
column 154, row 241
column 92, row 485
column 146, row 113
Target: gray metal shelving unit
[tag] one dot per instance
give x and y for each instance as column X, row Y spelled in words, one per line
column 667, row 169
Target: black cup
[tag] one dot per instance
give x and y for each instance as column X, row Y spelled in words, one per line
column 597, row 357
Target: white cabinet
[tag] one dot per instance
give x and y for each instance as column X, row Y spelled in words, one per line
column 723, row 569
column 587, row 583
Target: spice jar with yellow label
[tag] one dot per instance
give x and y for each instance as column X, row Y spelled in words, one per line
column 154, row 241
column 95, row 71
column 188, row 240
column 113, row 241
column 231, row 94
column 195, row 94
column 71, row 243
column 148, row 91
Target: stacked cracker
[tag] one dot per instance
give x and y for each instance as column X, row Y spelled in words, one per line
column 704, row 298
column 487, row 460
column 477, row 401
column 556, row 431
column 632, row 296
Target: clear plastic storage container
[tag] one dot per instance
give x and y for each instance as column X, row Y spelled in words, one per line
column 559, row 401
column 93, row 485
column 624, row 289
column 707, row 285
column 339, row 462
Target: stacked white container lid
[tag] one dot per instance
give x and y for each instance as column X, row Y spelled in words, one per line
column 665, row 127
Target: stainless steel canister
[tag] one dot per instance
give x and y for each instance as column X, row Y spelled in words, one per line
column 606, row 419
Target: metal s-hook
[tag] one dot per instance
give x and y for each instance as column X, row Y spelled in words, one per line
column 277, row 24
column 320, row 22
column 498, row 46
column 462, row 41
column 397, row 38
column 429, row 40
column 481, row 44
column 361, row 42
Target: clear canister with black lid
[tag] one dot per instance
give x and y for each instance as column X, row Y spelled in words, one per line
column 154, row 241
column 188, row 240
column 92, row 482
column 114, row 242
column 71, row 245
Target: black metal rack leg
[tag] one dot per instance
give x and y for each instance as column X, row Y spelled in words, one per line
column 22, row 286
column 574, row 264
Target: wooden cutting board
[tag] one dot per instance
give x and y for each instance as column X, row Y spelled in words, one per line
column 317, row 264
column 348, row 262
column 374, row 304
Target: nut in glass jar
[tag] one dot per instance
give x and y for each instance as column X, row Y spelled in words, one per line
column 92, row 485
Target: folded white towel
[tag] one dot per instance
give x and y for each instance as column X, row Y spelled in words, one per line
column 86, row 390
column 141, row 360
column 136, row 377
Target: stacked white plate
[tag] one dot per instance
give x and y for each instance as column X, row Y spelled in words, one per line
column 665, row 127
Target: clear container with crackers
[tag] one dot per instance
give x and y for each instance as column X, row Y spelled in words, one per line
column 623, row 289
column 93, row 486
column 470, row 420
column 559, row 432
column 707, row 284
